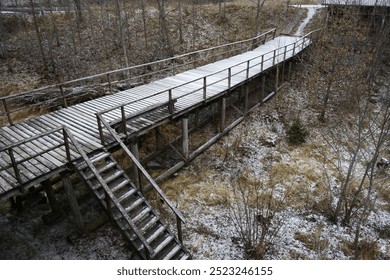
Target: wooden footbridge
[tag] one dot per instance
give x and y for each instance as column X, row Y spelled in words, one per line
column 81, row 138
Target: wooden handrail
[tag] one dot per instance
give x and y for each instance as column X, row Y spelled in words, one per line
column 108, row 193
column 297, row 44
column 107, row 75
column 140, row 167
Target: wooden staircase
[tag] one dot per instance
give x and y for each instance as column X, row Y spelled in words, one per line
column 129, row 210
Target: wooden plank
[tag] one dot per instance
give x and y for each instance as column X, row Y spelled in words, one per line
column 48, row 157
column 85, row 138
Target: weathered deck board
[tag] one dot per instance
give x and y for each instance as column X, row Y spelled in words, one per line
column 186, row 87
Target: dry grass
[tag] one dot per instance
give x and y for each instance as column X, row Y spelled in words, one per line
column 313, row 241
column 366, row 249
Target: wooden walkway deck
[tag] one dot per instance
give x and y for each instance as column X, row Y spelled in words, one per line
column 20, row 143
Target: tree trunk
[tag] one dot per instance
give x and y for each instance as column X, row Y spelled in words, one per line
column 39, row 37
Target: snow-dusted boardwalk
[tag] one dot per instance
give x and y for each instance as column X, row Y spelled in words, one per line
column 27, row 157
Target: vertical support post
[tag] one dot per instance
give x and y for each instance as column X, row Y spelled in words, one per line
column 100, row 129
column 135, row 152
column 55, row 208
column 277, row 79
column 66, row 144
column 123, row 114
column 4, row 102
column 204, row 88
column 262, row 90
column 262, row 63
column 109, row 83
column 289, row 71
column 63, row 96
column 274, row 58
column 185, row 138
column 229, row 77
column 179, row 230
column 170, row 102
column 246, row 98
column 295, row 44
column 74, row 206
column 223, row 114
column 109, row 206
column 14, row 165
column 283, row 70
column 247, row 69
column 158, row 139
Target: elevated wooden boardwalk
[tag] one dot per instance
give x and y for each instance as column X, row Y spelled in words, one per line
column 168, row 98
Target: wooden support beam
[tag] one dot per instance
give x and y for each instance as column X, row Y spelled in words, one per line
column 74, row 206
column 246, row 98
column 185, row 139
column 134, row 150
column 158, row 138
column 262, row 90
column 277, row 79
column 47, row 185
column 222, row 108
column 289, row 71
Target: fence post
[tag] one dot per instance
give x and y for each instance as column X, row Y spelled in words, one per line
column 63, row 96
column 247, row 69
column 229, row 77
column 274, row 58
column 295, row 43
column 170, row 102
column 123, row 120
column 100, row 129
column 14, row 165
column 204, row 88
column 7, row 112
column 262, row 63
column 66, row 143
column 179, row 230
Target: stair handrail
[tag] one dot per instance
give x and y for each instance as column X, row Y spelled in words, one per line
column 107, row 191
column 179, row 217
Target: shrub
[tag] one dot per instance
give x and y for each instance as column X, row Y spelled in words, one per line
column 297, row 134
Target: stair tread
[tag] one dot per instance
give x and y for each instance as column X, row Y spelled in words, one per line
column 120, row 185
column 156, row 233
column 172, row 252
column 127, row 195
column 163, row 244
column 106, row 167
column 141, row 215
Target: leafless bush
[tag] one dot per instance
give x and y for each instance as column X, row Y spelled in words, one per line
column 254, row 212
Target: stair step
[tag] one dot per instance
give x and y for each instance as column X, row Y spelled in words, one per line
column 93, row 159
column 119, row 186
column 126, row 195
column 185, row 256
column 101, row 170
column 148, row 224
column 131, row 206
column 112, row 177
column 163, row 244
column 141, row 215
column 172, row 252
column 156, row 233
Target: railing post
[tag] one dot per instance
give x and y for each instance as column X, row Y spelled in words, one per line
column 109, row 82
column 295, row 44
column 100, row 129
column 14, row 165
column 179, row 229
column 274, row 58
column 109, row 206
column 274, row 35
column 170, row 102
column 123, row 120
column 66, row 143
column 7, row 112
column 229, row 77
column 204, row 88
column 247, row 69
column 285, row 53
column 262, row 63
column 63, row 96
